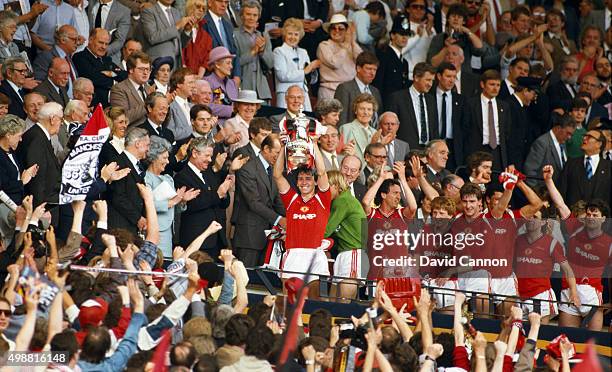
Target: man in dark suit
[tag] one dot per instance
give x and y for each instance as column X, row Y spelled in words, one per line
column 258, row 205
column 375, row 156
column 466, row 83
column 94, row 64
column 549, row 148
column 519, row 67
column 259, row 129
column 416, row 109
column 367, row 64
column 449, row 109
column 437, row 157
column 519, row 139
column 222, row 32
column 157, row 110
column 14, row 71
column 328, row 144
column 564, row 90
column 487, row 120
column 54, row 87
column 392, row 73
column 66, row 39
column 36, row 148
column 115, row 19
column 210, row 204
column 350, row 168
column 590, row 176
column 131, row 93
column 590, row 84
column 295, row 101
column 125, row 205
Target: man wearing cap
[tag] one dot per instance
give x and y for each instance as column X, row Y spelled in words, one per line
column 246, row 106
column 392, row 73
column 131, row 93
column 224, row 89
column 525, row 92
column 164, row 31
column 222, row 33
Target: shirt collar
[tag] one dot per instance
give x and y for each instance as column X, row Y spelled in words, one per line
column 132, row 159
column 57, row 89
column 594, row 157
column 180, row 100
column 163, row 7
column 519, row 100
column 360, row 84
column 136, row 86
column 264, row 162
column 555, row 141
column 195, row 169
column 215, row 17
column 486, row 100
column 439, row 91
column 44, row 130
column 414, row 92
column 60, row 52
column 14, row 86
column 396, row 50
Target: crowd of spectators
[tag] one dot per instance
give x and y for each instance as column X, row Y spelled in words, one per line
column 445, row 116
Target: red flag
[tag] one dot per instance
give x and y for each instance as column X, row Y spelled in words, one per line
column 95, row 123
column 590, row 360
column 291, row 336
column 159, row 357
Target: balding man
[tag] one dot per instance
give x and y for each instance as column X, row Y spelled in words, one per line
column 203, row 93
column 94, row 64
column 66, row 42
column 54, row 87
column 83, row 90
column 396, row 148
column 467, row 82
column 111, row 15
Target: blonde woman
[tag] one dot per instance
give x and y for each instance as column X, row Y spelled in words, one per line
column 195, row 52
column 118, row 123
column 291, row 63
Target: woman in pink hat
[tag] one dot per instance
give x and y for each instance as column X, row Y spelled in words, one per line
column 222, row 85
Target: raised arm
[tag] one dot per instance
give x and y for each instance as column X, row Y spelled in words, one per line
column 151, row 213
column 535, row 203
column 279, row 167
column 555, row 195
column 322, row 180
column 411, row 204
column 417, row 171
column 369, row 196
column 195, row 245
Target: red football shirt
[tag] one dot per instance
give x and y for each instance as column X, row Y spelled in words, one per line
column 378, row 214
column 477, row 226
column 433, row 247
column 534, row 263
column 502, row 238
column 587, row 256
column 306, row 220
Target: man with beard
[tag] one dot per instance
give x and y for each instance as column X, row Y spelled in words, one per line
column 565, row 89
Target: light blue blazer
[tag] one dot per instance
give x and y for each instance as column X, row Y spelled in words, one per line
column 288, row 71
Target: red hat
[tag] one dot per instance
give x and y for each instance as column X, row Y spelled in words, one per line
column 92, row 312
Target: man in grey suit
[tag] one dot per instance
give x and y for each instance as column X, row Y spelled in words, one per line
column 328, row 144
column 596, row 18
column 258, row 204
column 259, row 129
column 396, row 148
column 549, row 149
column 131, row 93
column 164, row 31
column 115, row 18
column 182, row 84
column 54, row 86
column 66, row 43
column 367, row 65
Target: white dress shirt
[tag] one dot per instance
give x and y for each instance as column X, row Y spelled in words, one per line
column 134, row 161
column 458, row 81
column 105, row 11
column 509, row 86
column 196, row 171
column 165, row 10
column 118, row 144
column 484, row 102
column 184, row 105
column 416, row 105
column 44, row 130
column 594, row 162
column 557, row 147
column 449, row 112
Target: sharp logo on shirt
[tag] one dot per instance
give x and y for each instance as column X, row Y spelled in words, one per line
column 587, row 255
column 304, row 209
column 308, row 216
column 500, row 231
column 529, row 260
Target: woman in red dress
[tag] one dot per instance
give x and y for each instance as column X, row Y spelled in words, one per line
column 195, row 53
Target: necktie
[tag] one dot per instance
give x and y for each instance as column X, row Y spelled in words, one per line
column 390, row 153
column 22, row 93
column 269, row 171
column 98, row 20
column 143, row 94
column 172, row 23
column 222, row 32
column 443, row 115
column 492, row 134
column 563, row 158
column 589, row 168
column 572, row 90
column 230, row 12
column 72, row 76
column 140, row 168
column 367, row 89
column 422, row 118
column 334, row 162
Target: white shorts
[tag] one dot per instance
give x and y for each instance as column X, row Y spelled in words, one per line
column 445, row 294
column 588, row 296
column 476, row 281
column 507, row 286
column 348, row 265
column 298, row 259
column 546, row 308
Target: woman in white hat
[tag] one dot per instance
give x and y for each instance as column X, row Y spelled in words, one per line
column 246, row 106
column 292, row 64
column 337, row 55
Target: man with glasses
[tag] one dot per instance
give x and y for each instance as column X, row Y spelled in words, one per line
column 54, row 87
column 590, row 84
column 14, row 71
column 603, row 68
column 131, row 93
column 66, row 42
column 587, row 177
column 114, row 17
column 294, row 99
column 375, row 156
column 350, row 168
column 565, row 89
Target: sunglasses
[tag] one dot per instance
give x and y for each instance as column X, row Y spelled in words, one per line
column 6, row 312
